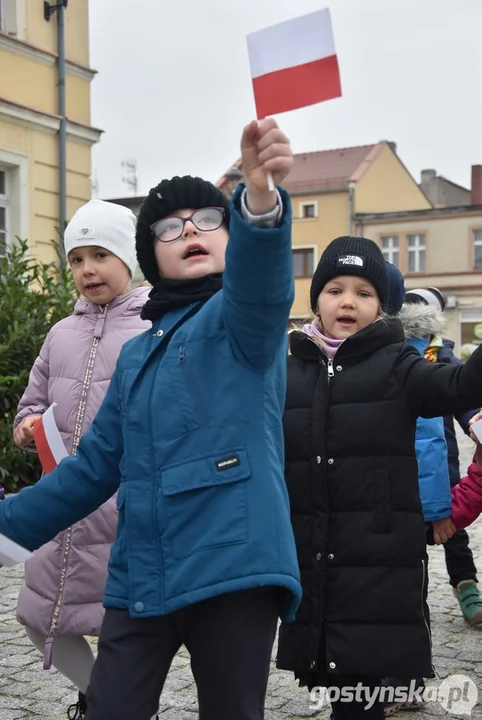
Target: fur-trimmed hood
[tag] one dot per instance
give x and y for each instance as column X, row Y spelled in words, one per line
column 420, row 320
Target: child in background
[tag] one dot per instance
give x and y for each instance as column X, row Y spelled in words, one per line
column 61, row 600
column 467, row 495
column 459, row 558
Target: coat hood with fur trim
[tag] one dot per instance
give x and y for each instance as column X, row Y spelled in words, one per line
column 420, row 320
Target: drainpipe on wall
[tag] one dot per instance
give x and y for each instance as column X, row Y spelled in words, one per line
column 48, row 12
column 351, row 206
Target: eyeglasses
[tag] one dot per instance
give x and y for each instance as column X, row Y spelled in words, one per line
column 170, row 229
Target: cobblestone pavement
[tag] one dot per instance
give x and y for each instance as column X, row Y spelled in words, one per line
column 27, row 692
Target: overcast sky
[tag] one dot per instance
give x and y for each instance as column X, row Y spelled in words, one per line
column 173, row 88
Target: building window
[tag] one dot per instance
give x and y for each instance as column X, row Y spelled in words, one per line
column 391, row 249
column 416, row 253
column 308, row 210
column 14, row 198
column 8, row 16
column 3, row 212
column 303, row 262
column 477, row 241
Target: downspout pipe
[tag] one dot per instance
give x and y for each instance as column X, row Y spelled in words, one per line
column 62, row 129
column 49, row 10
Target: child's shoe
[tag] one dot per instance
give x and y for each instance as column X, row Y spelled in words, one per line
column 77, row 710
column 414, row 702
column 470, row 601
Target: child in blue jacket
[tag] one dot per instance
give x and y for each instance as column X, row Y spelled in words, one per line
column 190, row 436
column 420, row 323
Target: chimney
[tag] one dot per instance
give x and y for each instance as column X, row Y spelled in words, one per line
column 476, row 186
column 428, row 176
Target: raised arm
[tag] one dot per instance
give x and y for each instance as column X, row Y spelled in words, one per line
column 258, row 286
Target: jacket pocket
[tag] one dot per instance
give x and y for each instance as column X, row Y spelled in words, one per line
column 204, row 503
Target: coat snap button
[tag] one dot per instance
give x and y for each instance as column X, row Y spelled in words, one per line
column 159, row 333
column 331, row 461
column 312, row 663
column 139, row 607
column 318, row 556
column 318, row 460
column 332, row 665
column 339, row 368
column 331, row 556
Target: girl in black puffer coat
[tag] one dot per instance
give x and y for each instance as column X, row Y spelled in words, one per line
column 355, row 391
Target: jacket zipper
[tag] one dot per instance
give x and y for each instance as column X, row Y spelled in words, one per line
column 424, row 575
column 68, row 533
column 331, row 372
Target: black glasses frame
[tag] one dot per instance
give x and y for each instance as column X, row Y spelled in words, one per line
column 185, row 220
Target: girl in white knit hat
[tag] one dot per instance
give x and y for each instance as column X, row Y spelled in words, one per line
column 61, row 600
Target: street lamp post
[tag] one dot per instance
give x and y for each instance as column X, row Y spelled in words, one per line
column 48, row 12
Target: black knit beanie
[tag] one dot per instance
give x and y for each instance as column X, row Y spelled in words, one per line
column 170, row 195
column 351, row 256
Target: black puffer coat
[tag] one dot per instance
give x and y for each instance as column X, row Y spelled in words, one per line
column 352, row 478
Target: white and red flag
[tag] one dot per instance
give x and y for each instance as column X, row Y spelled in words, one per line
column 48, row 441
column 294, row 64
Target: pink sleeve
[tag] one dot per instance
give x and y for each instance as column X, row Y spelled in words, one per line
column 467, row 498
column 35, row 400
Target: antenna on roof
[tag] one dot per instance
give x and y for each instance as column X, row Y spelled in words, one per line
column 131, row 178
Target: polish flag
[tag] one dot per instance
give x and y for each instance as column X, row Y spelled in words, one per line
column 48, row 441
column 294, row 64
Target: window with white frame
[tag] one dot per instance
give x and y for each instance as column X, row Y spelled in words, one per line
column 14, row 198
column 308, row 210
column 9, row 11
column 303, row 262
column 477, row 243
column 391, row 249
column 416, row 253
column 3, row 212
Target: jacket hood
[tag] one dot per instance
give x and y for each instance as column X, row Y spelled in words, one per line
column 420, row 320
column 130, row 304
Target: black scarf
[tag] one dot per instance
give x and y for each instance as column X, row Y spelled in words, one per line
column 170, row 294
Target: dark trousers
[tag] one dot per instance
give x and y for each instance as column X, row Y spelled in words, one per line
column 229, row 638
column 355, row 710
column 458, row 555
column 459, row 559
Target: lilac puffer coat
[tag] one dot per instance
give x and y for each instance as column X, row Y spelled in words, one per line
column 65, row 579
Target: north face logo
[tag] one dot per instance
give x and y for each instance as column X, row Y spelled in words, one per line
column 351, row 260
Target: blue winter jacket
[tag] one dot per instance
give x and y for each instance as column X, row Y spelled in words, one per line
column 432, row 459
column 190, row 435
